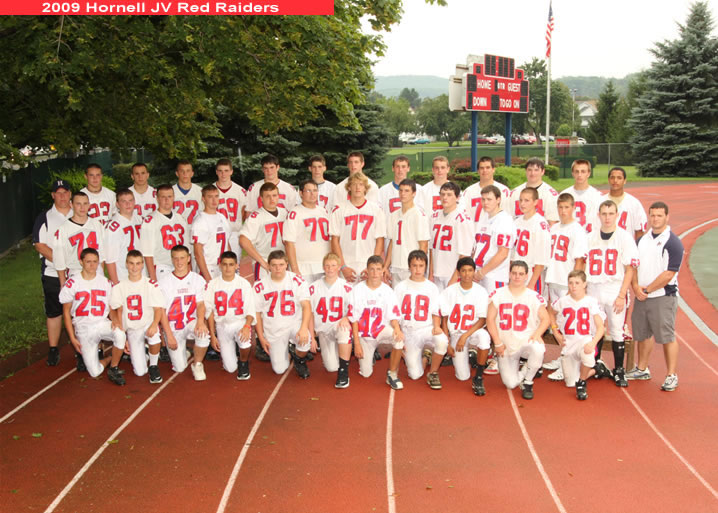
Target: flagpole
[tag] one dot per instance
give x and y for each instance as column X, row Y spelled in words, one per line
column 548, row 108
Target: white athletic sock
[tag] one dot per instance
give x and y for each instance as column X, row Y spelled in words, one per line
column 154, row 358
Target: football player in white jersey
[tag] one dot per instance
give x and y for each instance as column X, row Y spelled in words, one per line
column 122, row 234
column 495, row 233
column 161, row 231
column 232, row 201
column 306, row 234
column 102, row 199
column 329, row 297
column 463, row 307
column 407, row 231
column 577, row 322
column 283, row 316
column 137, row 304
column 357, row 228
column 471, row 197
column 547, row 195
column 85, row 298
column 317, row 167
column 430, row 198
column 74, row 235
column 355, row 163
column 188, row 195
column 145, row 194
column 183, row 316
column 587, row 198
column 420, row 321
column 516, row 319
column 533, row 239
column 262, row 231
column 612, row 257
column 452, row 237
column 287, row 193
column 375, row 319
column 631, row 215
column 389, row 193
column 210, row 234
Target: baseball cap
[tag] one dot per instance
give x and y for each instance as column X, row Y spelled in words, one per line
column 61, row 183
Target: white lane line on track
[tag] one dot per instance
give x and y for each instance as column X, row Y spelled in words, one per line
column 106, row 444
column 31, row 399
column 683, row 340
column 389, row 462
column 534, row 455
column 243, row 453
column 670, row 446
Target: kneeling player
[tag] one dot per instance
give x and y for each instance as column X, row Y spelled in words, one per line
column 183, row 316
column 516, row 320
column 330, row 303
column 463, row 316
column 283, row 315
column 137, row 304
column 85, row 305
column 375, row 319
column 420, row 320
column 230, row 300
column 579, row 328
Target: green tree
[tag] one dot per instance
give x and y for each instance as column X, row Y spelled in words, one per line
column 605, row 125
column 561, row 101
column 411, row 96
column 676, row 119
column 397, row 117
column 435, row 118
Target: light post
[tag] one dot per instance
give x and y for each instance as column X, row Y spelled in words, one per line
column 573, row 112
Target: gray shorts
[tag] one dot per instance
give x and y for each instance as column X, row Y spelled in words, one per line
column 655, row 317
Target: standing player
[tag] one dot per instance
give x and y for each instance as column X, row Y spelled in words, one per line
column 355, row 163
column 137, row 304
column 317, row 167
column 283, row 316
column 389, row 193
column 516, row 320
column 43, row 232
column 85, row 299
column 452, row 237
column 287, row 194
column 533, row 239
column 357, row 228
column 145, row 194
column 547, row 195
column 495, row 233
column 408, row 230
column 329, row 297
column 612, row 255
column 587, row 198
column 375, row 319
column 102, row 199
column 183, row 315
column 210, row 235
column 162, row 231
column 188, row 195
column 431, row 200
column 471, row 197
column 631, row 216
column 122, row 234
column 420, row 321
column 306, row 234
column 232, row 201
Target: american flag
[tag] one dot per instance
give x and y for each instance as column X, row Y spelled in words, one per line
column 549, row 29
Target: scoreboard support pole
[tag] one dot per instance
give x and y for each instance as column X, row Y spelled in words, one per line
column 474, row 136
column 507, row 137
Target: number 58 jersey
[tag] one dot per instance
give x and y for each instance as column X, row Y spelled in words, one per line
column 329, row 303
column 517, row 316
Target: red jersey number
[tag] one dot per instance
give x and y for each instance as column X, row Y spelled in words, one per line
column 514, row 317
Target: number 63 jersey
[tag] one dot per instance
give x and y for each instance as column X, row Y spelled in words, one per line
column 137, row 300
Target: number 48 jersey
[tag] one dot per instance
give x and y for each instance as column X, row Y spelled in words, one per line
column 329, row 303
column 181, row 298
column 463, row 308
column 418, row 302
column 229, row 300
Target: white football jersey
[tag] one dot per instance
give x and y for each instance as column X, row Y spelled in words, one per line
column 287, row 196
column 329, row 303
column 230, row 301
column 389, row 198
column 631, row 216
column 46, row 226
column 230, row 205
column 533, row 241
column 212, row 231
column 463, row 308
column 341, row 195
column 493, row 233
column 418, row 302
column 358, row 229
column 160, row 233
column 145, row 203
column 406, row 230
column 471, row 200
column 325, row 196
column 90, row 298
column 103, row 204
column 137, row 300
column 71, row 238
column 452, row 235
column 568, row 242
column 546, row 205
column 121, row 235
column 181, row 298
column 586, row 203
column 372, row 309
column 431, row 198
column 308, row 229
column 265, row 230
column 575, row 318
column 517, row 317
column 280, row 302
column 607, row 258
column 189, row 204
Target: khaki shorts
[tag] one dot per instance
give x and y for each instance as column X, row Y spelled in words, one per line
column 656, row 316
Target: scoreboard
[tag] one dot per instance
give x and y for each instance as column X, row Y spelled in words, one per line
column 493, row 84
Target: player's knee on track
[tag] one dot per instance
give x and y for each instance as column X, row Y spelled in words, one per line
column 441, row 344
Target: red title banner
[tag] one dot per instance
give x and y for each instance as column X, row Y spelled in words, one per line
column 154, row 7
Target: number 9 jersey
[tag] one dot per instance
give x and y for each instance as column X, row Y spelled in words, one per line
column 137, row 300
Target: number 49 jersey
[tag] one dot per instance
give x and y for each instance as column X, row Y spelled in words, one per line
column 517, row 316
column 463, row 308
column 90, row 298
column 160, row 234
column 607, row 258
column 280, row 302
column 137, row 300
column 418, row 302
column 229, row 300
column 372, row 309
column 329, row 303
column 575, row 318
column 181, row 298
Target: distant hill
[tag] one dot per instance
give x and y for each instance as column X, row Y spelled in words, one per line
column 591, row 87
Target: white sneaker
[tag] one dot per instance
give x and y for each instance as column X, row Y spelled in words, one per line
column 670, row 384
column 492, row 367
column 553, row 364
column 636, row 373
column 198, row 371
column 556, row 375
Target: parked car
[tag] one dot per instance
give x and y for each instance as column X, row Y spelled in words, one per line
column 420, row 140
column 519, row 139
column 581, row 141
column 500, row 139
column 530, row 138
column 483, row 139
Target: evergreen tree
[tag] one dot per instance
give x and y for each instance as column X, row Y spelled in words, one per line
column 676, row 120
column 603, row 126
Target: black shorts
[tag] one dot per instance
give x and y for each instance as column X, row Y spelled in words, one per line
column 51, row 289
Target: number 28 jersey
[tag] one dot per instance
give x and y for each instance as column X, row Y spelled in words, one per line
column 329, row 303
column 463, row 308
column 372, row 309
column 517, row 316
column 181, row 298
column 575, row 318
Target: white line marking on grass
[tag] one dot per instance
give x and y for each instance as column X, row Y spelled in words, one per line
column 31, row 399
column 248, row 443
column 670, row 446
column 697, row 355
column 534, row 455
column 389, row 463
column 106, row 444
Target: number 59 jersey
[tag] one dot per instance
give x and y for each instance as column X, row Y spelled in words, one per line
column 329, row 303
column 463, row 308
column 229, row 300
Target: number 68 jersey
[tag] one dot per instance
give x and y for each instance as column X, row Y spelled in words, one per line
column 607, row 258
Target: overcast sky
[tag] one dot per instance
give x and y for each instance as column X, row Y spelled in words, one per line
column 608, row 38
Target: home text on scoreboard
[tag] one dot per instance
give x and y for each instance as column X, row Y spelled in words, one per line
column 495, row 85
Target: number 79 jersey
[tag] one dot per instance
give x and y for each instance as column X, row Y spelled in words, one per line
column 569, row 242
column 329, row 303
column 230, row 301
column 607, row 258
column 372, row 309
column 576, row 318
column 181, row 298
column 463, row 309
column 517, row 316
column 90, row 298
column 418, row 302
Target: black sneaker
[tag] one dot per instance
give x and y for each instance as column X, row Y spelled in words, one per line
column 377, row 355
column 619, row 377
column 80, row 363
column 477, row 385
column 115, row 375
column 300, row 365
column 581, row 393
column 164, row 354
column 243, row 371
column 126, row 357
column 259, row 353
column 211, row 355
column 473, row 358
column 342, row 379
column 527, row 391
column 601, row 370
column 539, row 373
column 155, row 374
column 53, row 356
column 446, row 361
column 310, row 356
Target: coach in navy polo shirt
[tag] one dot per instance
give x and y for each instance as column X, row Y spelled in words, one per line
column 656, row 288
